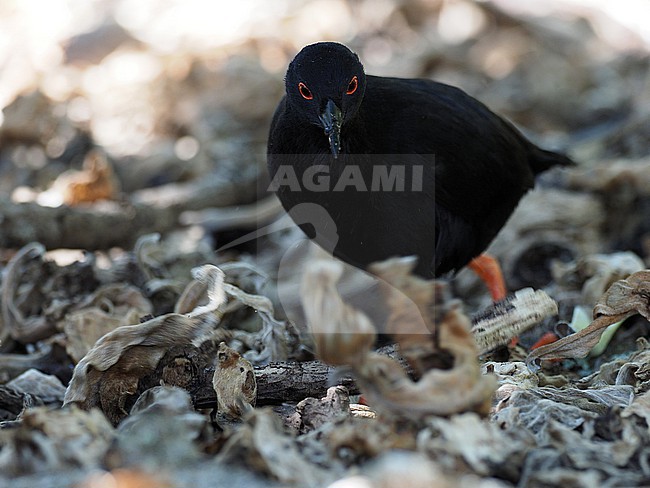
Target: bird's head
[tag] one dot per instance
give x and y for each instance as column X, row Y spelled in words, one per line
column 325, row 83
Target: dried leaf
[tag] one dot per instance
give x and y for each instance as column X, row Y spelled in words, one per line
column 481, row 445
column 262, row 445
column 628, row 296
column 147, row 253
column 593, row 274
column 536, row 409
column 15, row 324
column 108, row 376
column 312, row 413
column 621, row 300
column 163, row 429
column 357, row 439
column 234, row 382
column 270, row 343
column 103, row 311
column 382, row 379
column 51, row 440
column 408, row 298
column 14, row 402
column 45, row 387
column 213, row 280
column 342, row 334
column 640, row 407
column 512, row 376
column 437, row 392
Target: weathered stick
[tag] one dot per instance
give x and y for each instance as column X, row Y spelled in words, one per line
column 496, row 325
column 108, row 224
column 250, row 216
column 293, row 381
column 289, row 381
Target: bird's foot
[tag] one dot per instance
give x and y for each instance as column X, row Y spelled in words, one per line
column 488, row 270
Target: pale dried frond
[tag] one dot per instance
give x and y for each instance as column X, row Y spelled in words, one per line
column 622, row 300
column 342, row 334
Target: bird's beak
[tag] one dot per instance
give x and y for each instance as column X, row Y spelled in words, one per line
column 331, row 119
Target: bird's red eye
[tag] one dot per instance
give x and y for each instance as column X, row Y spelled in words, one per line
column 304, row 91
column 352, row 86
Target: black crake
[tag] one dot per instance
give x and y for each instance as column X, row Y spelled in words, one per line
column 475, row 165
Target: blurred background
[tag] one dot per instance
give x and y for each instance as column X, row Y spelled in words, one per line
column 144, row 101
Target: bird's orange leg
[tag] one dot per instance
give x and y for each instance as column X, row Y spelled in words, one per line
column 488, row 270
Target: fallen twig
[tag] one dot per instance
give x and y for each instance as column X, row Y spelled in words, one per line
column 496, row 325
column 107, row 224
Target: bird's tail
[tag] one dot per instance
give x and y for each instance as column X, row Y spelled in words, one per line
column 541, row 160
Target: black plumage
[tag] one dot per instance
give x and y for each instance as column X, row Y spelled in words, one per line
column 465, row 168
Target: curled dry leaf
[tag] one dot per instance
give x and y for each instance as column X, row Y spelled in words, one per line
column 311, row 413
column 410, row 320
column 271, row 342
column 46, row 388
column 213, row 280
column 540, row 410
column 342, row 334
column 234, row 382
column 147, row 250
column 194, row 293
column 14, row 402
column 355, row 440
column 15, row 324
column 161, row 285
column 37, row 293
column 632, row 370
column 383, row 380
column 640, row 407
column 483, row 446
column 261, row 444
column 594, row 273
column 163, row 429
column 108, row 376
column 266, row 345
column 103, row 311
column 512, row 376
column 438, row 392
column 50, row 440
column 621, row 300
column 631, row 295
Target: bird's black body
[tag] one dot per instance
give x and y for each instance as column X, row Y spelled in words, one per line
column 474, row 165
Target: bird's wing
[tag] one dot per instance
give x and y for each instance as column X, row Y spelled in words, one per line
column 477, row 155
